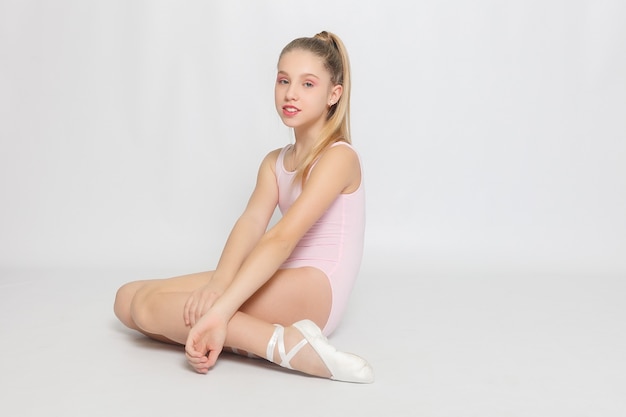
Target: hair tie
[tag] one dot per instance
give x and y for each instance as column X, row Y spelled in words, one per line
column 324, row 36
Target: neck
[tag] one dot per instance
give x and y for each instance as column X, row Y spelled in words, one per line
column 306, row 135
column 305, row 139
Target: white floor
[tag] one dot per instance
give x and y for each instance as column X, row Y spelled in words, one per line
column 442, row 344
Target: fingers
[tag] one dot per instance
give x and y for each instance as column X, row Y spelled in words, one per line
column 192, row 311
column 198, row 303
column 200, row 365
column 191, row 308
column 212, row 358
column 199, row 309
column 187, row 310
column 199, row 361
column 205, row 342
column 201, row 306
column 196, row 357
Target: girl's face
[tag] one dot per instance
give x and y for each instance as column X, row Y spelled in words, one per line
column 304, row 90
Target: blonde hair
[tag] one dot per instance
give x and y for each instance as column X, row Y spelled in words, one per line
column 333, row 53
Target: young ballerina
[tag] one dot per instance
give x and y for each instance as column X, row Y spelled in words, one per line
column 273, row 290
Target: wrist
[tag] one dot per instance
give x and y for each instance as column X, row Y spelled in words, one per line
column 222, row 314
column 222, row 310
column 219, row 282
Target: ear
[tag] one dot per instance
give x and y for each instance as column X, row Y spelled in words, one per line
column 335, row 94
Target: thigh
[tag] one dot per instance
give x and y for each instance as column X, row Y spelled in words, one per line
column 126, row 294
column 292, row 295
column 289, row 296
column 184, row 283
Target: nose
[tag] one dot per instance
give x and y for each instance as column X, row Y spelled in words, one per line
column 291, row 92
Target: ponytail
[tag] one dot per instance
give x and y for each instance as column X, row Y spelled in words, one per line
column 331, row 49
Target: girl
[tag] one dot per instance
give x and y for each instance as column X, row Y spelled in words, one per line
column 274, row 289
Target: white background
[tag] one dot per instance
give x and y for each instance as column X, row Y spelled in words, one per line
column 493, row 137
column 492, row 133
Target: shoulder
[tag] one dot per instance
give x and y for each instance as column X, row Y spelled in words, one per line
column 343, row 149
column 270, row 159
column 340, row 156
column 272, row 156
column 340, row 164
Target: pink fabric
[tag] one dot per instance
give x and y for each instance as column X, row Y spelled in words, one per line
column 334, row 244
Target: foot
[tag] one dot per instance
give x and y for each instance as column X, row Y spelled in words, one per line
column 307, row 360
column 303, row 347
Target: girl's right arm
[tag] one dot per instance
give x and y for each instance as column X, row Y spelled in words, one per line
column 244, row 236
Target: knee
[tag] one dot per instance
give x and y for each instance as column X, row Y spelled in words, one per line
column 122, row 306
column 140, row 309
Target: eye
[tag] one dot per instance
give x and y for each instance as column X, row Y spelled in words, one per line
column 309, row 84
column 283, row 81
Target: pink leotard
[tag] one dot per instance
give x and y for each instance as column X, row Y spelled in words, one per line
column 334, row 244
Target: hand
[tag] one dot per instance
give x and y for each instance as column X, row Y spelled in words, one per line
column 200, row 301
column 205, row 342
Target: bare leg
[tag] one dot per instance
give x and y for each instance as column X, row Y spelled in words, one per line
column 155, row 308
column 252, row 335
column 127, row 299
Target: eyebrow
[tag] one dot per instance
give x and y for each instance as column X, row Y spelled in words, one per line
column 307, row 75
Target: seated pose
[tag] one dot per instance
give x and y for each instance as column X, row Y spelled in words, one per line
column 275, row 289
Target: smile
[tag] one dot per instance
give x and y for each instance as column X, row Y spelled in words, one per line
column 290, row 110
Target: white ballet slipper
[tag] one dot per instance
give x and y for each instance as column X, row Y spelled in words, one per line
column 342, row 366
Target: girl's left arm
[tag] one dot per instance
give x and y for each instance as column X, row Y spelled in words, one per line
column 337, row 171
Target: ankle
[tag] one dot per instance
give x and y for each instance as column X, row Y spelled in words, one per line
column 310, row 352
column 292, row 337
column 307, row 360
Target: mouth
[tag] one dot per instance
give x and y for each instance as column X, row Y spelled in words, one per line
column 290, row 110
